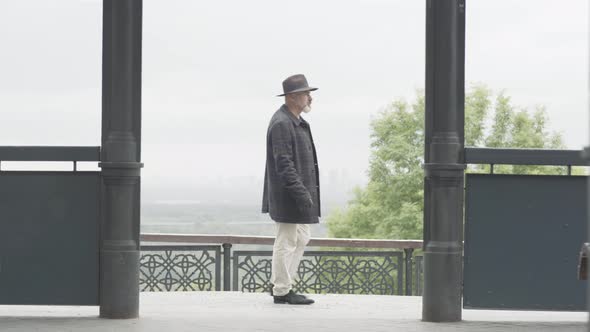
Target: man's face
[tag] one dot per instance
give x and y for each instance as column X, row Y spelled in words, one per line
column 303, row 101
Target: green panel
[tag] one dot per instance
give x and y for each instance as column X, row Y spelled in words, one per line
column 49, row 232
column 522, row 239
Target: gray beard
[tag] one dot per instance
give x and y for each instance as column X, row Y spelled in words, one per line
column 306, row 109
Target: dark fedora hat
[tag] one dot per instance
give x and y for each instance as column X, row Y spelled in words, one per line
column 295, row 83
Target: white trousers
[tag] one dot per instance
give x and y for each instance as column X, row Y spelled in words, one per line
column 287, row 251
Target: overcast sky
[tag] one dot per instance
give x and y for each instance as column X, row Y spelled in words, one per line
column 211, row 70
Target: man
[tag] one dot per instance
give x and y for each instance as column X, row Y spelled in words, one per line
column 291, row 186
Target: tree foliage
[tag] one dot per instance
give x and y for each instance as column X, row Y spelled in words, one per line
column 391, row 204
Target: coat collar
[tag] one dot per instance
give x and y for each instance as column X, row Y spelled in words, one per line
column 293, row 118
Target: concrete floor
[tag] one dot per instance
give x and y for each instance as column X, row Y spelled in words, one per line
column 232, row 311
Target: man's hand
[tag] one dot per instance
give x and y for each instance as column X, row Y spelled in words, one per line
column 307, row 204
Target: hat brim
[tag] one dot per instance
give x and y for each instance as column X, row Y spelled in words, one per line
column 298, row 90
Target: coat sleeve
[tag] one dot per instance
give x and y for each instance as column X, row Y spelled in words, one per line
column 282, row 151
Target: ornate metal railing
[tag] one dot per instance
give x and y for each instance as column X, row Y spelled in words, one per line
column 202, row 267
column 347, row 272
column 180, row 268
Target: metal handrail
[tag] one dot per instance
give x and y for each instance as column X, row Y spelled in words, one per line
column 50, row 153
column 549, row 157
column 269, row 240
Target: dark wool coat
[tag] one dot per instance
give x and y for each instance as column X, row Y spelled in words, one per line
column 291, row 179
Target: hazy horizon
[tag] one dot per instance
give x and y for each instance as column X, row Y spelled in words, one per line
column 211, row 71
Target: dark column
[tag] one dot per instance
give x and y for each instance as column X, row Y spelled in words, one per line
column 120, row 158
column 443, row 157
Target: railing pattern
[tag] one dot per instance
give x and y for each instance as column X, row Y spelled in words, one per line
column 325, row 272
column 202, row 267
column 180, row 268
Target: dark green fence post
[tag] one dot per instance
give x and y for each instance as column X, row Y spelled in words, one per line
column 408, row 262
column 227, row 266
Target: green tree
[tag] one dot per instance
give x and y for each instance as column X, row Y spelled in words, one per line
column 391, row 204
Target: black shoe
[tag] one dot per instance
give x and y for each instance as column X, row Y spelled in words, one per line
column 292, row 298
column 271, row 293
